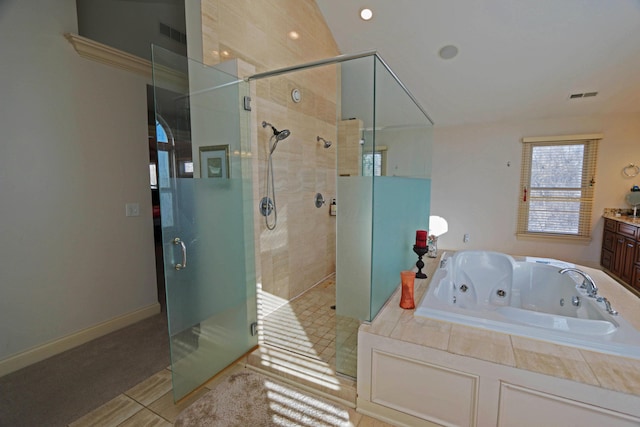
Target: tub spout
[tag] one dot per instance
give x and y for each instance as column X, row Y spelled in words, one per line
column 588, row 284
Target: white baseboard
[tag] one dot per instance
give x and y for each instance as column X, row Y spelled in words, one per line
column 41, row 352
column 390, row 416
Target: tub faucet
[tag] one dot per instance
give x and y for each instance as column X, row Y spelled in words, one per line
column 588, row 284
column 607, row 306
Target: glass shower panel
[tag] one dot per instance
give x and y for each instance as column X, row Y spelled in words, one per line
column 355, row 203
column 208, row 243
column 402, row 134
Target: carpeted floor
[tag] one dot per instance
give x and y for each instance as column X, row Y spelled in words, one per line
column 65, row 387
column 252, row 399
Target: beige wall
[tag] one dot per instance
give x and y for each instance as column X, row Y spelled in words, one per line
column 477, row 193
column 74, row 150
column 349, row 149
column 301, row 250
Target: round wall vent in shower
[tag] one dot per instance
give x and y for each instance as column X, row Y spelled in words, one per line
column 296, row 95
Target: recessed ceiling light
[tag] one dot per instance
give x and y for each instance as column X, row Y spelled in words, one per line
column 294, row 35
column 366, row 14
column 449, row 51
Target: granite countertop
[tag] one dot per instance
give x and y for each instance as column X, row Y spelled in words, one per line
column 628, row 219
column 590, row 367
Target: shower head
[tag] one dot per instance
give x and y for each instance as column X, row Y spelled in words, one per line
column 327, row 144
column 284, row 133
column 279, row 134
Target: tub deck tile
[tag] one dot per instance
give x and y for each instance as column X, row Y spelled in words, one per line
column 388, row 317
column 615, row 372
column 481, row 344
column 422, row 331
column 552, row 359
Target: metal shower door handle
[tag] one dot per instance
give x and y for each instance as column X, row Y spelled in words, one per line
column 177, row 241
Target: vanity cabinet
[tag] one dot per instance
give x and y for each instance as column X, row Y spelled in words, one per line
column 620, row 254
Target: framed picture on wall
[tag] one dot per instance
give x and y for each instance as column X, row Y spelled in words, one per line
column 214, row 161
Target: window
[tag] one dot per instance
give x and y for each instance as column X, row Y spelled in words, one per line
column 161, row 133
column 556, row 186
column 375, row 164
column 372, row 164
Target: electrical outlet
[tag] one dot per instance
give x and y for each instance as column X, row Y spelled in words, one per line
column 465, row 239
column 132, row 209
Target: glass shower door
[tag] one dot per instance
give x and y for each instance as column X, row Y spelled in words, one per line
column 207, row 232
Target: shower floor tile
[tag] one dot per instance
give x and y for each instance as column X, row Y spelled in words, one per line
column 306, row 324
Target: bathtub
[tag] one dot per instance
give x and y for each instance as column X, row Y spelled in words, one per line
column 524, row 296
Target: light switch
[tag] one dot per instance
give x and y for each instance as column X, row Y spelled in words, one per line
column 132, row 209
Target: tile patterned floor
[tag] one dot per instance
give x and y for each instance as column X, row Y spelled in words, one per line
column 300, row 337
column 150, row 403
column 307, row 324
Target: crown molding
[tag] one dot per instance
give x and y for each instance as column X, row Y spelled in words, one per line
column 99, row 52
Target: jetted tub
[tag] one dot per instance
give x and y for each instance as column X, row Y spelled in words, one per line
column 524, row 296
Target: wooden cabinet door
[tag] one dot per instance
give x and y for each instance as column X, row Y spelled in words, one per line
column 618, row 254
column 608, row 240
column 636, row 277
column 626, row 273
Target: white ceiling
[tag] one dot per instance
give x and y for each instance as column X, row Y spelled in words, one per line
column 517, row 58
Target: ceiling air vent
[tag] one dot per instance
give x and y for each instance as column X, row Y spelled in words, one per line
column 172, row 33
column 582, row 95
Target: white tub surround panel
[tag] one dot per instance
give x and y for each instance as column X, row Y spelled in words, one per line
column 423, row 372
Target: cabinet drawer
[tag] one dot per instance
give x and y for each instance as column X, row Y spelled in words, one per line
column 608, row 240
column 611, row 225
column 606, row 259
column 627, row 230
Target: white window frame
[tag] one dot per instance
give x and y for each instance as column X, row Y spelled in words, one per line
column 586, row 190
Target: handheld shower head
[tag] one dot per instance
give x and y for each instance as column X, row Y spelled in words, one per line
column 327, row 144
column 279, row 134
column 284, row 133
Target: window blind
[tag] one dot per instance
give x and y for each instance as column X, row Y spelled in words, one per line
column 556, row 186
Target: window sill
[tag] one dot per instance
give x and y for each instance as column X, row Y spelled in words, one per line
column 554, row 238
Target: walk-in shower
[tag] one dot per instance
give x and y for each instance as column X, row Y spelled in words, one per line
column 240, row 275
column 371, row 153
column 268, row 202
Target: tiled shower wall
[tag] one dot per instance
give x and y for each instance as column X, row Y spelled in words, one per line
column 301, row 250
